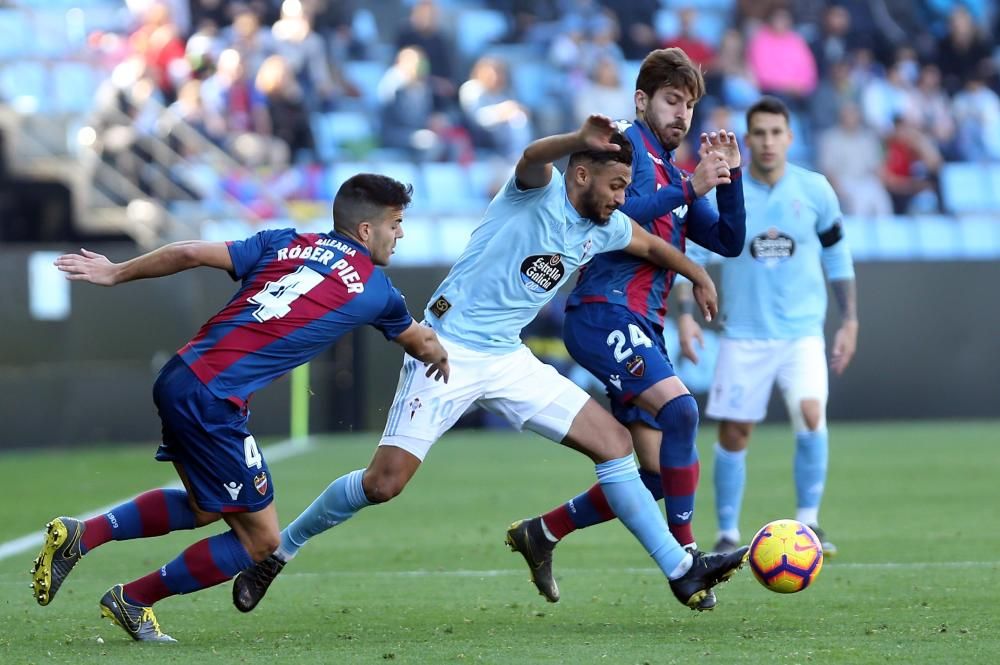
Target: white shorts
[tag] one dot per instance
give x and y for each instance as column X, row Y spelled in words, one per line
column 746, row 370
column 517, row 385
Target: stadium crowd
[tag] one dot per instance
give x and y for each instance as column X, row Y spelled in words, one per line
column 883, row 92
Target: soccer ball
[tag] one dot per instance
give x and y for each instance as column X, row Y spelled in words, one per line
column 786, row 556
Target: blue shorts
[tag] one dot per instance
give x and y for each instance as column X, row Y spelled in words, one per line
column 623, row 350
column 208, row 437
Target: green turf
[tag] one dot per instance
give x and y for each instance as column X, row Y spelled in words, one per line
column 427, row 579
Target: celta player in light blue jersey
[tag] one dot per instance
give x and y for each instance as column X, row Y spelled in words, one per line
column 535, row 234
column 773, row 308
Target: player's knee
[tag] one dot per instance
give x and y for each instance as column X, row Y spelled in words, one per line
column 734, row 436
column 381, row 487
column 618, row 442
column 812, row 414
column 679, row 415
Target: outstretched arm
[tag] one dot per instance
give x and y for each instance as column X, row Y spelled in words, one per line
column 534, row 169
column 659, row 252
column 422, row 343
column 95, row 268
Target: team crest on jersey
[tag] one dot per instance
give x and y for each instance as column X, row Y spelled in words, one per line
column 772, row 246
column 636, row 366
column 440, row 307
column 542, row 272
column 260, row 482
column 415, row 405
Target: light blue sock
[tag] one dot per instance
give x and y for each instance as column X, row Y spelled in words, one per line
column 730, row 476
column 338, row 503
column 811, row 453
column 634, row 506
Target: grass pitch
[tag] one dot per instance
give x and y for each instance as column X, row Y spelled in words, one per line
column 427, row 579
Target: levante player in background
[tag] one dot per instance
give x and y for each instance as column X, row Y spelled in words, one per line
column 299, row 294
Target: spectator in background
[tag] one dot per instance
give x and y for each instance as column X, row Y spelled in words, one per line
column 697, row 49
column 214, row 11
column 232, row 101
column 635, row 19
column 910, row 169
column 406, row 101
column 977, row 113
column 425, row 32
column 730, row 80
column 286, row 107
column 189, row 109
column 834, row 91
column 850, row 156
column 934, row 110
column 885, row 99
column 962, row 50
column 252, row 43
column 835, row 40
column 158, row 41
column 498, row 121
column 605, row 93
column 781, row 61
column 305, row 53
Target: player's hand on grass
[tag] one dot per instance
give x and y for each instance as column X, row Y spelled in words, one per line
column 88, row 266
column 596, row 132
column 439, row 370
column 845, row 343
column 706, row 296
column 723, row 143
column 690, row 332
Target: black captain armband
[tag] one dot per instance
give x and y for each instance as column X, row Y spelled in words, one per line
column 832, row 235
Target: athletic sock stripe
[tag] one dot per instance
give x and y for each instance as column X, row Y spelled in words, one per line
column 410, row 370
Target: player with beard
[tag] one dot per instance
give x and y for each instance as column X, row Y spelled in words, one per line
column 614, row 317
column 538, row 230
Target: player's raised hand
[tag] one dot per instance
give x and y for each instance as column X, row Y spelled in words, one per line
column 724, row 143
column 596, row 132
column 712, row 170
column 88, row 266
column 845, row 343
column 690, row 332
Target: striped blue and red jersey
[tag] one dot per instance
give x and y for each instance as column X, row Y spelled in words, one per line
column 300, row 293
column 660, row 198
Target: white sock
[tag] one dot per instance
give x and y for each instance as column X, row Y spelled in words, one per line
column 548, row 534
column 808, row 516
column 682, row 567
column 730, row 534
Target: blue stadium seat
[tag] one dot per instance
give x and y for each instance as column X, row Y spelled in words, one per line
column 365, row 74
column 476, row 28
column 938, row 237
column 966, row 187
column 73, row 86
column 334, row 130
column 980, row 237
column 420, row 245
column 894, row 238
column 858, row 231
column 447, row 187
column 994, row 187
column 531, row 81
column 25, row 86
column 15, row 33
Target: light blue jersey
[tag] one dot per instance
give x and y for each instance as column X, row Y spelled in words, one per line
column 774, row 289
column 528, row 245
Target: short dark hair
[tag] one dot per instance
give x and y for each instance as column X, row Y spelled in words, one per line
column 670, row 67
column 623, row 155
column 362, row 197
column 768, row 104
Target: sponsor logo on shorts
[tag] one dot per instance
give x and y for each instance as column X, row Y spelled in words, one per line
column 440, row 307
column 772, row 246
column 260, row 482
column 636, row 366
column 542, row 272
column 233, row 488
column 415, row 405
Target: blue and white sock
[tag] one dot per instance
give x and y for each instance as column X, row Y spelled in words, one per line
column 338, row 503
column 811, row 455
column 634, row 506
column 730, row 477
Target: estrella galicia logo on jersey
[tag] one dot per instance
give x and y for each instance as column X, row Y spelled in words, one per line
column 636, row 366
column 542, row 272
column 440, row 307
column 260, row 482
column 772, row 246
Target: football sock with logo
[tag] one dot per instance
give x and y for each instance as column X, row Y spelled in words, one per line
column 206, row 563
column 811, row 454
column 152, row 513
column 679, row 466
column 590, row 508
column 338, row 503
column 730, row 477
column 634, row 506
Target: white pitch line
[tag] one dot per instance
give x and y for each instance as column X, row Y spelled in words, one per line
column 273, row 453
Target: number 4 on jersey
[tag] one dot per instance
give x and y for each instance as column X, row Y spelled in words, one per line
column 276, row 298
